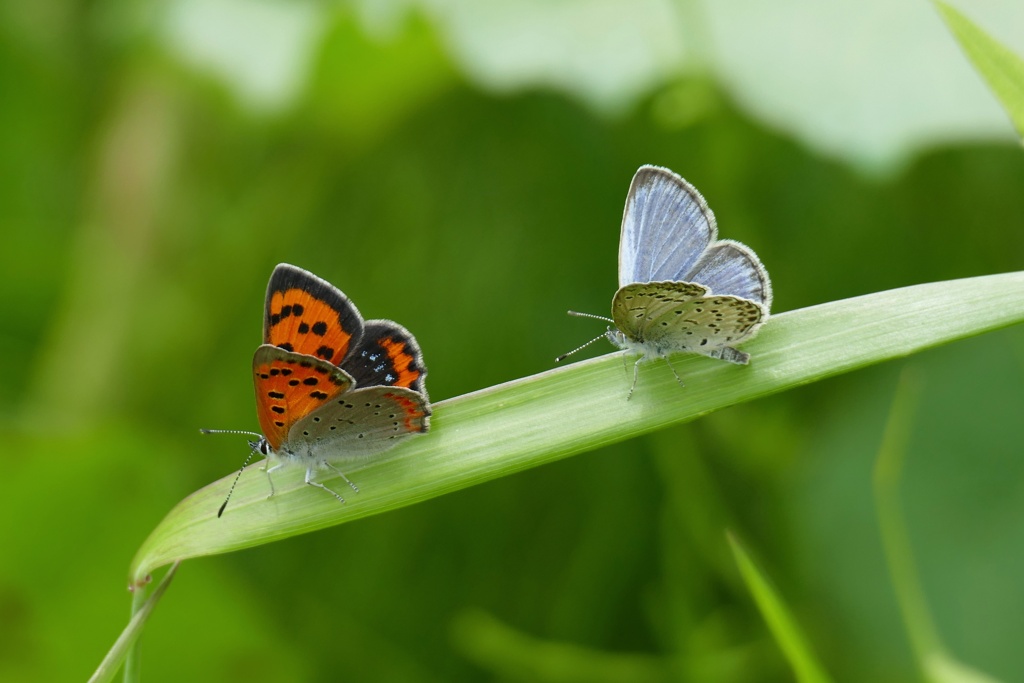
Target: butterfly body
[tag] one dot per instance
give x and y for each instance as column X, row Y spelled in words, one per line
column 331, row 387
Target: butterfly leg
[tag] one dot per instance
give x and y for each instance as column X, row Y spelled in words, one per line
column 636, row 374
column 672, row 368
column 342, row 475
column 309, row 480
column 270, row 479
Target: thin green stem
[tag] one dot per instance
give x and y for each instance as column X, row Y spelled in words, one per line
column 125, row 649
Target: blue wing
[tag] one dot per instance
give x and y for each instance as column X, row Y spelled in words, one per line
column 728, row 267
column 666, row 227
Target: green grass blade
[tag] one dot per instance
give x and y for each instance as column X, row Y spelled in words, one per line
column 937, row 666
column 941, row 668
column 781, row 623
column 1002, row 69
column 535, row 420
column 511, row 655
column 887, row 474
column 129, row 636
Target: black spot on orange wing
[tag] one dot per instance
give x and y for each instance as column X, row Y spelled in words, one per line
column 388, row 355
column 306, row 314
column 284, row 398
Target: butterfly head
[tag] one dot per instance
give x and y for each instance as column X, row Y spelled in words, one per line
column 616, row 336
column 261, row 446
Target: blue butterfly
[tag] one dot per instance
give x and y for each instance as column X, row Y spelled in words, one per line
column 680, row 288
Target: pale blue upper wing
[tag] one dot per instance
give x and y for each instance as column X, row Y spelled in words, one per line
column 728, row 267
column 666, row 226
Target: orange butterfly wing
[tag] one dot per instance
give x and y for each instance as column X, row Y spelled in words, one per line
column 290, row 386
column 308, row 315
column 387, row 355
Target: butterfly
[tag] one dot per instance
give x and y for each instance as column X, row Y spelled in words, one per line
column 330, row 386
column 680, row 288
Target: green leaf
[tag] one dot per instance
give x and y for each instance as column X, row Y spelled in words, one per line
column 1001, row 68
column 535, row 420
column 783, row 626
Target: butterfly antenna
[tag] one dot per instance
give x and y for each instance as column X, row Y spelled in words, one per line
column 578, row 348
column 230, row 431
column 252, row 451
column 590, row 315
column 237, row 477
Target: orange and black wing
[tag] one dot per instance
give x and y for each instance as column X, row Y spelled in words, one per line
column 387, row 355
column 291, row 386
column 308, row 315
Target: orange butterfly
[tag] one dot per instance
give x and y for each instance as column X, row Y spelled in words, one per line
column 331, row 387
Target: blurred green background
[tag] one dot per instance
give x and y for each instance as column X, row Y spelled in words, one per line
column 461, row 167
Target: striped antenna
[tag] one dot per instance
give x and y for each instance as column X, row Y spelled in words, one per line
column 253, row 447
column 580, row 348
